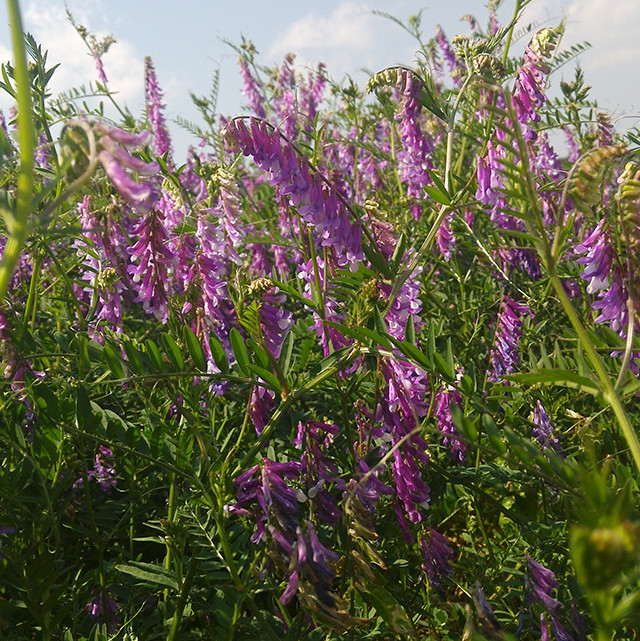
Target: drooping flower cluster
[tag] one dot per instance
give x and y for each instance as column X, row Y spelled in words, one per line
column 402, row 406
column 115, row 146
column 293, row 543
column 317, row 203
column 436, row 556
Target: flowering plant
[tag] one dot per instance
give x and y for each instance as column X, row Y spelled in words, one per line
column 357, row 368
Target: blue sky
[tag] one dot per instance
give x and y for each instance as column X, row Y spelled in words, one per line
column 186, row 42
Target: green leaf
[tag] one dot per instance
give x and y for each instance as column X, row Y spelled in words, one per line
column 286, row 352
column 444, row 367
column 412, row 352
column 560, row 377
column 173, row 352
column 267, row 376
column 219, row 355
column 239, row 351
column 133, row 357
column 114, row 361
column 149, row 573
column 439, row 196
column 363, row 335
column 154, row 355
column 393, row 614
column 195, row 349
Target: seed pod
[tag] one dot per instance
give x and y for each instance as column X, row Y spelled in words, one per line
column 628, row 199
column 584, row 190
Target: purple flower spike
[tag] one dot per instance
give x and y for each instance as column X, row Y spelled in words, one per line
column 251, row 89
column 598, row 259
column 155, row 107
column 443, row 400
column 543, row 430
column 504, row 354
column 318, row 204
column 528, row 91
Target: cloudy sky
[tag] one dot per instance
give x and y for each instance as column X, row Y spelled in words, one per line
column 186, row 42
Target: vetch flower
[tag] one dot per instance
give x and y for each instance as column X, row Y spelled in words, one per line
column 117, row 161
column 543, row 584
column 251, row 89
column 155, row 108
column 103, row 471
column 445, row 396
column 504, row 355
column 543, row 430
column 530, row 83
column 152, row 264
column 104, row 610
column 436, row 556
column 317, row 203
column 598, row 259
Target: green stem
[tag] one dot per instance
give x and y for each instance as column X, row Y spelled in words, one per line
column 182, row 599
column 609, row 390
column 17, row 222
column 514, row 20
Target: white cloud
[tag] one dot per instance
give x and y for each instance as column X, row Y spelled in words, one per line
column 611, row 29
column 52, row 30
column 347, row 27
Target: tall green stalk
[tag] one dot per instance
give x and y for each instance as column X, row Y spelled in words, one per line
column 17, row 221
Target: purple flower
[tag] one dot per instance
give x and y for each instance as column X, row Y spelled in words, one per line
column 613, row 304
column 530, row 83
column 405, row 305
column 103, row 471
column 317, row 203
column 402, row 405
column 155, row 107
column 152, row 263
column 414, row 160
column 504, row 354
column 251, row 89
column 442, row 402
column 543, row 430
column 598, row 259
column 574, row 149
column 117, row 162
column 275, row 320
column 543, row 584
column 318, row 470
column 436, row 556
column 455, row 67
column 104, row 610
